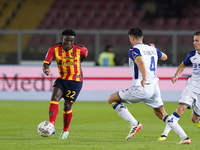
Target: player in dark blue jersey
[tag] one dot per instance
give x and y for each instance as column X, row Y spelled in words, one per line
column 191, row 94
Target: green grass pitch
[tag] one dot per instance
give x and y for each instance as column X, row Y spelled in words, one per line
column 94, row 126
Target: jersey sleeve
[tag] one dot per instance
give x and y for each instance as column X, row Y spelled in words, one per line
column 133, row 53
column 187, row 61
column 84, row 51
column 159, row 53
column 49, row 56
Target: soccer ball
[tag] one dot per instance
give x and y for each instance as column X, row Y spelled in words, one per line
column 45, row 128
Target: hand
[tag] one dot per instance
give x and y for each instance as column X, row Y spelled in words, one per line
column 46, row 71
column 143, row 82
column 151, row 44
column 174, row 78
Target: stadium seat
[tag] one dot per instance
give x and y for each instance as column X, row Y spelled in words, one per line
column 120, row 24
column 186, row 40
column 2, row 5
column 101, row 14
column 51, row 14
column 57, row 6
column 102, row 39
column 170, row 24
column 88, row 15
column 149, row 39
column 69, row 6
column 95, row 23
column 35, row 40
column 194, row 24
column 45, row 23
column 49, row 40
column 76, row 14
column 63, row 13
column 111, row 40
column 113, row 14
column 93, row 6
column 105, row 6
column 12, row 4
column 139, row 14
column 123, row 40
column 107, row 23
column 157, row 23
column 57, row 23
column 80, row 6
column 87, row 40
column 117, row 6
column 132, row 23
column 183, row 24
column 128, row 15
column 82, row 23
column 69, row 23
column 3, row 22
column 163, row 40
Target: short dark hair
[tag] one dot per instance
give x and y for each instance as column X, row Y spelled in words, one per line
column 107, row 47
column 69, row 32
column 197, row 33
column 136, row 32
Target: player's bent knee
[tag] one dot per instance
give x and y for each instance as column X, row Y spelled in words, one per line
column 110, row 99
column 113, row 98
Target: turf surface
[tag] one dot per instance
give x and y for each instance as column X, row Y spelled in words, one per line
column 94, row 126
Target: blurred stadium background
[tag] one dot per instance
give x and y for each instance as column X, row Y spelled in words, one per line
column 29, row 27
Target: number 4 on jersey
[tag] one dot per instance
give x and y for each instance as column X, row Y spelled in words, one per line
column 152, row 65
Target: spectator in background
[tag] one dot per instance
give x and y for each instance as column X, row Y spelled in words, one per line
column 107, row 58
column 150, row 9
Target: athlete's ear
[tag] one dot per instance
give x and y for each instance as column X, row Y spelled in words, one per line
column 132, row 38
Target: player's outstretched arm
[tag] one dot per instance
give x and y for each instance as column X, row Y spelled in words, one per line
column 180, row 69
column 46, row 69
column 164, row 56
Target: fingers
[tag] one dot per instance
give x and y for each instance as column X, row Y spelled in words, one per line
column 174, row 79
column 143, row 82
column 47, row 71
column 152, row 44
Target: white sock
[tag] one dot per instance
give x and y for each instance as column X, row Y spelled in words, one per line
column 176, row 117
column 174, row 126
column 124, row 113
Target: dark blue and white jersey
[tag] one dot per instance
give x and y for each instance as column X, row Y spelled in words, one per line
column 150, row 56
column 193, row 58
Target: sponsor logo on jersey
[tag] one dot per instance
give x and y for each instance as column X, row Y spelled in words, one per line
column 67, row 63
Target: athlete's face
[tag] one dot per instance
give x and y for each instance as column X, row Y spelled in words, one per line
column 67, row 41
column 197, row 42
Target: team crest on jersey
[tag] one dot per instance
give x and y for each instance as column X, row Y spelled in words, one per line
column 51, row 113
column 72, row 54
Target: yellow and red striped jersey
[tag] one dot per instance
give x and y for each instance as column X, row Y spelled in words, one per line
column 68, row 62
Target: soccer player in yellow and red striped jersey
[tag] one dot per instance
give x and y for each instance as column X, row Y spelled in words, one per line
column 68, row 56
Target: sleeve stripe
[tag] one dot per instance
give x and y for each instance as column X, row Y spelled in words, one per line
column 46, row 62
column 138, row 57
column 183, row 64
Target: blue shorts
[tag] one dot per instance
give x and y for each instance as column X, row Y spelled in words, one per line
column 69, row 88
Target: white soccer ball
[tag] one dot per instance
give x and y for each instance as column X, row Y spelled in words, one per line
column 45, row 128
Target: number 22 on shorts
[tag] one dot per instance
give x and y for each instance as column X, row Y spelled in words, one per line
column 70, row 94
